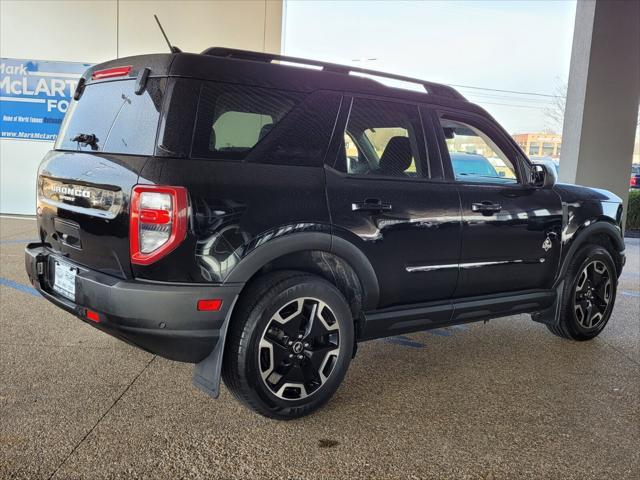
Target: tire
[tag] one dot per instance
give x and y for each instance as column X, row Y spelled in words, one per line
column 588, row 295
column 289, row 344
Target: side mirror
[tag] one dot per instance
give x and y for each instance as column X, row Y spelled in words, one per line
column 543, row 175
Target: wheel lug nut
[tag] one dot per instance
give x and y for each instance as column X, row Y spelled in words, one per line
column 289, row 343
column 291, row 355
column 300, row 336
column 306, row 345
column 300, row 357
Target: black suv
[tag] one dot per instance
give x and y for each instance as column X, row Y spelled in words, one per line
column 258, row 215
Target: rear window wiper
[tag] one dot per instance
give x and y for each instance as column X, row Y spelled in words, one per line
column 86, row 139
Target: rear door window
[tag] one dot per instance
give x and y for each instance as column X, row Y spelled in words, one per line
column 383, row 138
column 233, row 119
column 122, row 121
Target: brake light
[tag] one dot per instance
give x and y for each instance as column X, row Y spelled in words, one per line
column 158, row 222
column 111, row 73
column 633, row 182
column 93, row 316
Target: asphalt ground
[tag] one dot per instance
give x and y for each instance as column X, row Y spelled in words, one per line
column 505, row 399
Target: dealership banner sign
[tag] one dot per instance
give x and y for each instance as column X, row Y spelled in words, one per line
column 34, row 96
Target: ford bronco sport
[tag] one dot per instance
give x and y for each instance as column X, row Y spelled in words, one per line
column 259, row 215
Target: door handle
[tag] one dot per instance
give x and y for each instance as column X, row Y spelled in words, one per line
column 486, row 207
column 371, row 205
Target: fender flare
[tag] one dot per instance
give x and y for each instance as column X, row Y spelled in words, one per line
column 301, row 241
column 363, row 268
column 551, row 315
column 581, row 237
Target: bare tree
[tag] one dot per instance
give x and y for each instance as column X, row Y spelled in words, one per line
column 555, row 110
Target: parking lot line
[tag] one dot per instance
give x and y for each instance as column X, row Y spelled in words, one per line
column 19, row 286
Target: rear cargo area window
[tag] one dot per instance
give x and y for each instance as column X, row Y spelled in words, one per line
column 233, row 119
column 121, row 121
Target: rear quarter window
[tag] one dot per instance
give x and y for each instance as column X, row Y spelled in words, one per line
column 238, row 130
column 122, row 121
column 233, row 119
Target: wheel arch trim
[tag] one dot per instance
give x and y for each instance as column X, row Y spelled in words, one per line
column 582, row 236
column 305, row 241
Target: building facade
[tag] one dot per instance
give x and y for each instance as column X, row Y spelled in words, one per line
column 540, row 144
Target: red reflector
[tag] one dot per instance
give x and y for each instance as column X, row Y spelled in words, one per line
column 148, row 215
column 209, row 305
column 111, row 72
column 93, row 316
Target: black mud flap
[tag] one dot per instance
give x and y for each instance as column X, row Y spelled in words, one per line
column 551, row 315
column 206, row 373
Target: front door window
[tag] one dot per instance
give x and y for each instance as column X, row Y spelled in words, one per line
column 474, row 156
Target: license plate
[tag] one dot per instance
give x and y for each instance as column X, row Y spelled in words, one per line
column 64, row 280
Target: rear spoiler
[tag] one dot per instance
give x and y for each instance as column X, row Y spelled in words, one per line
column 140, row 67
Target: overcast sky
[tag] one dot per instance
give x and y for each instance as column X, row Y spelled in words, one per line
column 523, row 46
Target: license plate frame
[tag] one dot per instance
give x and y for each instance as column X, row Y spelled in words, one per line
column 64, row 279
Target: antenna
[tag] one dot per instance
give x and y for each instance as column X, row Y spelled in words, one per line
column 171, row 47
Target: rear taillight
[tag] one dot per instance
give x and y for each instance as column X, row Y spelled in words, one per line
column 633, row 182
column 158, row 222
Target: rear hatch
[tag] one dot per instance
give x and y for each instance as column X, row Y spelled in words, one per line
column 84, row 185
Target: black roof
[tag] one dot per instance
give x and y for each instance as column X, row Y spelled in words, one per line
column 430, row 87
column 257, row 68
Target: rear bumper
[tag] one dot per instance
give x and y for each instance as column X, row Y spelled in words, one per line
column 159, row 318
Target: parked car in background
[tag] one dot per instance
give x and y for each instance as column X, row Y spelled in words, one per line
column 634, row 181
column 466, row 165
column 259, row 219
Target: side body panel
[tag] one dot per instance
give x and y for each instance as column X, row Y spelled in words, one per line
column 422, row 230
column 237, row 207
column 517, row 248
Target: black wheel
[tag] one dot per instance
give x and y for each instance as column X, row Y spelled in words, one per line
column 589, row 294
column 289, row 345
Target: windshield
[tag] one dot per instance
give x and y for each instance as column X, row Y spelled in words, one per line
column 120, row 120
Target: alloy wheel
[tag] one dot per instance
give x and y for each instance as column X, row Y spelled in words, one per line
column 592, row 294
column 299, row 348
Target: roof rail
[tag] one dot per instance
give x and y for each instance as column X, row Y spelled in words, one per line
column 431, row 88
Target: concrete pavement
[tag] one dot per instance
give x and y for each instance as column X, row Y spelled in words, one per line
column 504, row 399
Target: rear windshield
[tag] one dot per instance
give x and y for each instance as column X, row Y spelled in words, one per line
column 120, row 120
